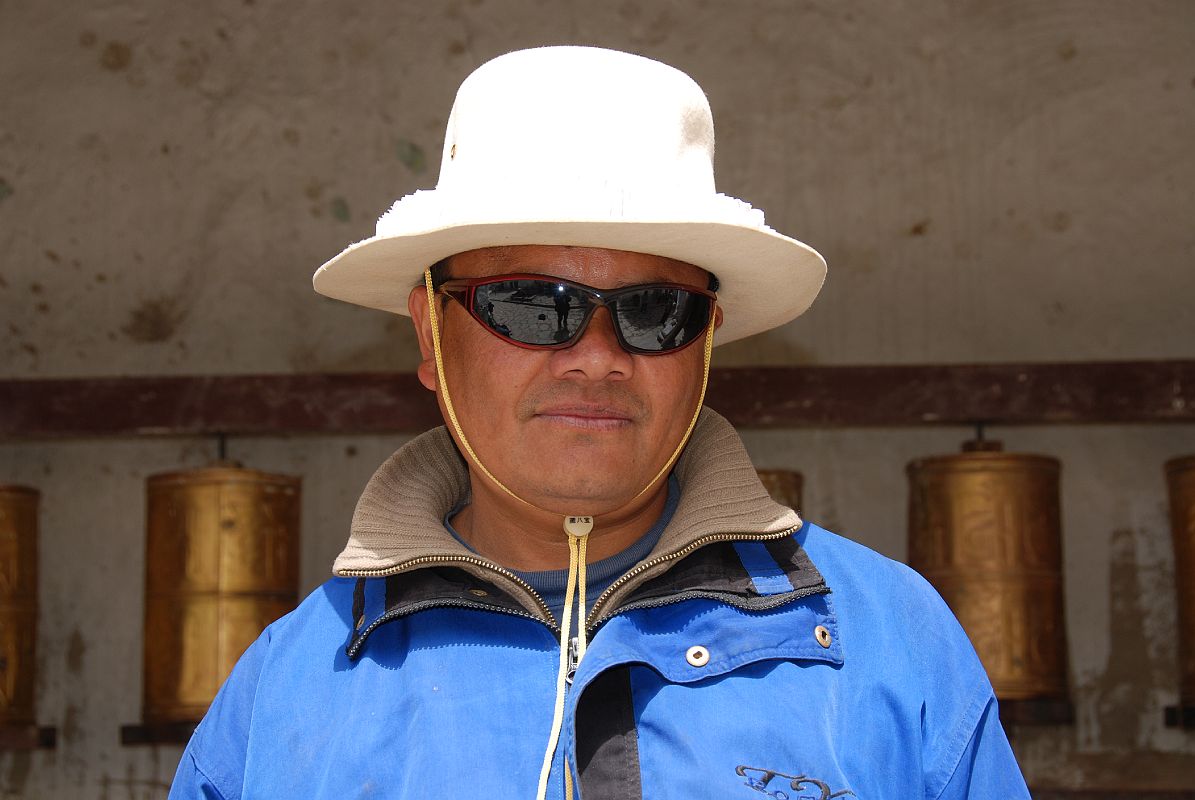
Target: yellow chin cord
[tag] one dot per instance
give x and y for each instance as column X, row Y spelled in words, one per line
column 576, row 528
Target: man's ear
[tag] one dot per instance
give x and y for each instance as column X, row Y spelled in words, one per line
column 417, row 306
column 717, row 317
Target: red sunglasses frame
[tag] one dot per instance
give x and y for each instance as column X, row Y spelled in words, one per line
column 463, row 290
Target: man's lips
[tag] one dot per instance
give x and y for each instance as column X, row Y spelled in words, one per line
column 592, row 417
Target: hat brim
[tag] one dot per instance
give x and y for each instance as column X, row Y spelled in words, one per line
column 767, row 279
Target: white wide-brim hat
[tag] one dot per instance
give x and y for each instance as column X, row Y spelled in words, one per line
column 586, row 147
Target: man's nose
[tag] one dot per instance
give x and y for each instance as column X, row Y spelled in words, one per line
column 597, row 355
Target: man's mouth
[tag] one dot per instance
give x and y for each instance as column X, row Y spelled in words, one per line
column 586, row 416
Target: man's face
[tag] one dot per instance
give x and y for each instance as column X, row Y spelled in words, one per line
column 579, row 430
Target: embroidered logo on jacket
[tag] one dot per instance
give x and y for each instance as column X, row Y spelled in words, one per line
column 802, row 786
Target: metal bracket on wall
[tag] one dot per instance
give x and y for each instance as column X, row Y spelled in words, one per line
column 27, row 737
column 1043, row 711
column 1180, row 717
column 157, row 733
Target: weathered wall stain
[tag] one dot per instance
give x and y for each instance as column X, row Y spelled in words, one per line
column 1139, row 663
column 743, row 351
column 154, row 320
column 19, row 768
column 192, row 66
column 919, row 228
column 1058, row 222
column 134, row 788
column 314, row 191
column 411, row 155
column 651, row 31
column 76, row 649
column 6, row 189
column 70, row 724
column 116, row 56
column 339, row 208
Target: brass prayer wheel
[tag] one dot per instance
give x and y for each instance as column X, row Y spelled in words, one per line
column 18, row 603
column 221, row 563
column 784, row 485
column 1180, row 478
column 985, row 530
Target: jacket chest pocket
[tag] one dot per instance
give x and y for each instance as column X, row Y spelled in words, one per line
column 711, row 702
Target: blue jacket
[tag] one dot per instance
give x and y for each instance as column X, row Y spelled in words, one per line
column 831, row 672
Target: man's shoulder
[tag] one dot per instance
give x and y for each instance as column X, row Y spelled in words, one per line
column 326, row 610
column 863, row 581
column 850, row 560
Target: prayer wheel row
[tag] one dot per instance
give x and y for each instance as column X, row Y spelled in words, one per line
column 985, row 530
column 222, row 562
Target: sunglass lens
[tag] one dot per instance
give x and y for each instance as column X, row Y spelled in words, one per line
column 658, row 319
column 533, row 312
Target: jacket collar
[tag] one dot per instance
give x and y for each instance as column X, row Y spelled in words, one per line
column 398, row 525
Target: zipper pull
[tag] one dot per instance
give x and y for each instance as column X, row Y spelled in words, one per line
column 573, row 660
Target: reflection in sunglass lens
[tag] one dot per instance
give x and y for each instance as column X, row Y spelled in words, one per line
column 545, row 313
column 530, row 311
column 661, row 318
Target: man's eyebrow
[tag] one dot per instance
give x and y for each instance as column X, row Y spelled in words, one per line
column 502, row 256
column 618, row 284
column 712, row 283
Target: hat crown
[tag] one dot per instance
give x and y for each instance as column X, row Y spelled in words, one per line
column 568, row 119
column 583, row 147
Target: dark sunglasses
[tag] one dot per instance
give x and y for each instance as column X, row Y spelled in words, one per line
column 543, row 312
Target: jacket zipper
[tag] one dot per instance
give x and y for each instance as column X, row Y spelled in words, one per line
column 427, row 561
column 574, row 648
column 774, row 601
column 592, row 621
column 359, row 639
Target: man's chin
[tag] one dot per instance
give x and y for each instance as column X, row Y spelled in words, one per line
column 591, row 492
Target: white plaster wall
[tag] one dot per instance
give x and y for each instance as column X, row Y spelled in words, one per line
column 989, row 182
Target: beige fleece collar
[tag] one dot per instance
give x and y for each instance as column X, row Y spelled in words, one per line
column 399, row 521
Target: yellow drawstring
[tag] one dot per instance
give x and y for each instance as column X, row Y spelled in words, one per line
column 442, row 382
column 576, row 529
column 705, row 380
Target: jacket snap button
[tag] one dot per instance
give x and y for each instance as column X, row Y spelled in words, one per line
column 822, row 634
column 697, row 656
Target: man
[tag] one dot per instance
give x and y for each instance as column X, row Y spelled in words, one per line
column 579, row 587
